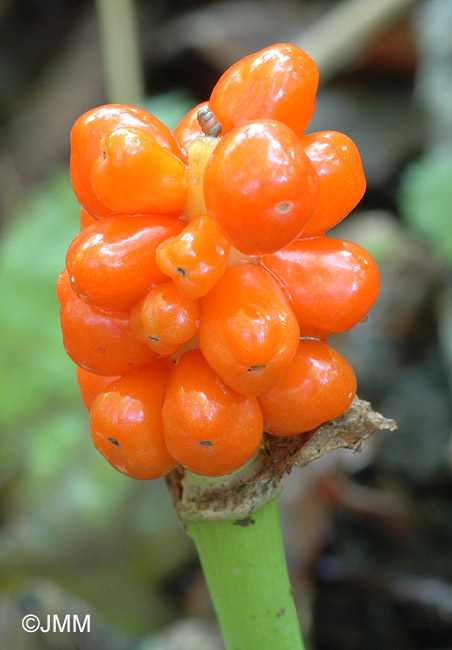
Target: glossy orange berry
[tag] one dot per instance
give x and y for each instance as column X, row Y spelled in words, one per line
column 209, row 428
column 63, row 287
column 332, row 283
column 248, row 331
column 260, row 187
column 86, row 219
column 90, row 385
column 136, row 175
column 278, row 83
column 341, row 179
column 101, row 341
column 318, row 385
column 126, row 423
column 189, row 129
column 112, row 263
column 195, row 258
column 87, row 145
column 164, row 318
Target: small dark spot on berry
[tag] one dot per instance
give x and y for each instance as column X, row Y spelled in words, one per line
column 253, row 368
column 104, row 154
column 281, row 612
column 284, row 207
column 101, row 349
column 130, row 363
column 206, row 443
column 153, row 337
column 181, row 271
column 114, row 442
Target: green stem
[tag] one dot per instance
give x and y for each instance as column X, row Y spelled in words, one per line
column 246, row 572
column 122, row 64
column 234, row 523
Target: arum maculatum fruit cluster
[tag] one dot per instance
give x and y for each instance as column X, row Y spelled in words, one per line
column 198, row 297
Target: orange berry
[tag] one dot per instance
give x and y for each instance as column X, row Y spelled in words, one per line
column 86, row 219
column 112, row 263
column 164, row 318
column 101, row 341
column 209, row 428
column 63, row 287
column 332, row 283
column 260, row 187
column 318, row 385
column 248, row 331
column 341, row 179
column 136, row 175
column 87, row 141
column 278, row 83
column 195, row 258
column 126, row 423
column 91, row 385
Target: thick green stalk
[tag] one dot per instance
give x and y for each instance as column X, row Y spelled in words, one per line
column 246, row 572
column 234, row 523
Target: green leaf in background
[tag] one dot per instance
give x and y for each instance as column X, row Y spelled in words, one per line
column 35, row 371
column 425, row 202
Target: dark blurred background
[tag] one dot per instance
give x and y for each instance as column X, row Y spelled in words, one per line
column 368, row 536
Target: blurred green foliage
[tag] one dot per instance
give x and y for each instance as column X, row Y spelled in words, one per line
column 425, row 201
column 35, row 373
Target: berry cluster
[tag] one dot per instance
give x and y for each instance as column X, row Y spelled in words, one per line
column 199, row 295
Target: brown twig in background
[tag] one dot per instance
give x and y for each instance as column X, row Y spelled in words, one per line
column 344, row 32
